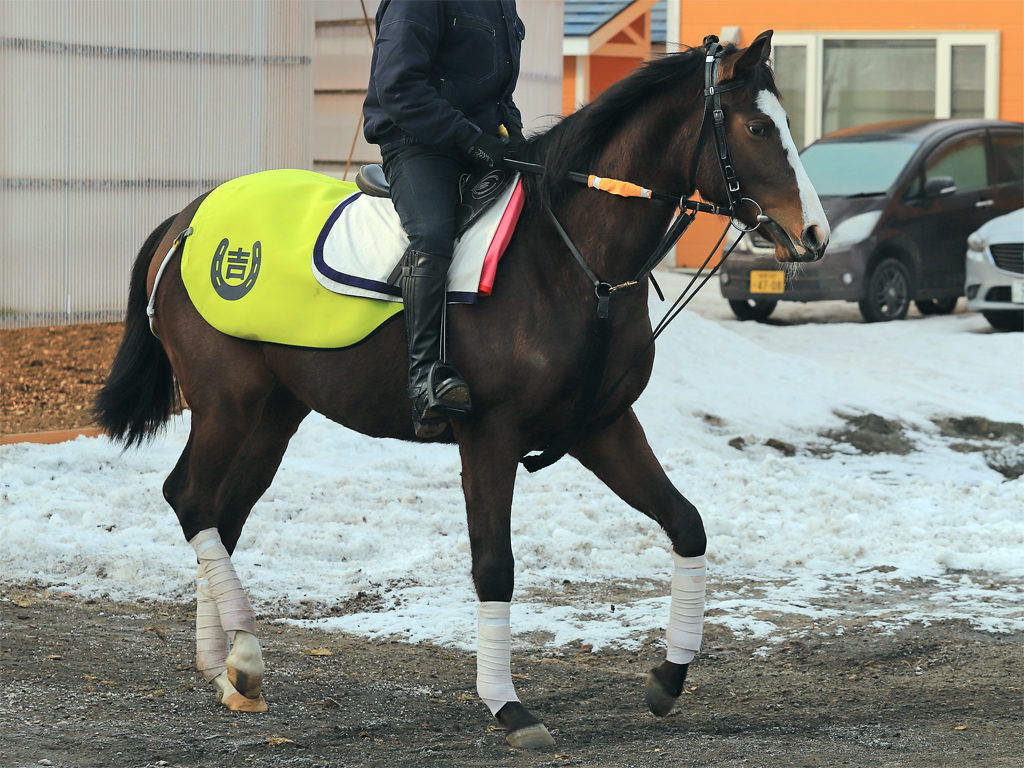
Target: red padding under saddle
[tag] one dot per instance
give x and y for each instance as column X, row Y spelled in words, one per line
column 502, row 235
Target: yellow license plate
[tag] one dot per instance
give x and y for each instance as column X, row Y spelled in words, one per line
column 767, row 281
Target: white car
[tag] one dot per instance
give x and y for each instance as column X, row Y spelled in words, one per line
column 995, row 271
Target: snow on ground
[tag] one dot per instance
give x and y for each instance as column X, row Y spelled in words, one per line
column 368, row 536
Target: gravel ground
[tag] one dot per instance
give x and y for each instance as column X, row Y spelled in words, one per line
column 100, row 684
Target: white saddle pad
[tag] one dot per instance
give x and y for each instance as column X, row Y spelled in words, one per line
column 363, row 241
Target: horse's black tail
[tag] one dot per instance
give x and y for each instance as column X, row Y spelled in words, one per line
column 140, row 393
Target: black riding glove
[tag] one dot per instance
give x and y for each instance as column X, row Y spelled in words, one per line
column 488, row 151
column 516, row 140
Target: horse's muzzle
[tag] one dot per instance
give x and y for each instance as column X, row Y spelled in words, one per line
column 812, row 242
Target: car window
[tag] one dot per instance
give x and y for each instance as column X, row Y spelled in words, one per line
column 1008, row 157
column 851, row 168
column 963, row 159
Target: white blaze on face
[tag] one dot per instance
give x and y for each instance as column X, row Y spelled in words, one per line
column 813, row 213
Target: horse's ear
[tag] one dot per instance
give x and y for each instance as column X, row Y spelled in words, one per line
column 754, row 55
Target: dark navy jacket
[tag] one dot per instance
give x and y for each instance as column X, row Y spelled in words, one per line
column 443, row 71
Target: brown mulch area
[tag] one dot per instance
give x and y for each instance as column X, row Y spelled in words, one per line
column 50, row 376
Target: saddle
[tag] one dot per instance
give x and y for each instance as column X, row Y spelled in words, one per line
column 477, row 190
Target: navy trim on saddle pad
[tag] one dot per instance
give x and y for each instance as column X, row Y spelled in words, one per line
column 453, row 297
column 324, row 269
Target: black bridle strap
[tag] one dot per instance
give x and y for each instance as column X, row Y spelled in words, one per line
column 713, row 107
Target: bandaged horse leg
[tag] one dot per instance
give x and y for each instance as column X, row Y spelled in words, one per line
column 619, row 454
column 494, row 656
column 684, row 633
column 494, row 677
column 212, row 644
column 239, row 685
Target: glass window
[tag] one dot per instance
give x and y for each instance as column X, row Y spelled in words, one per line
column 790, row 64
column 967, row 91
column 964, row 160
column 849, row 168
column 868, row 81
column 1008, row 156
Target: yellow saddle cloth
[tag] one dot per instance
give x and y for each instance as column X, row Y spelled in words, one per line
column 246, row 265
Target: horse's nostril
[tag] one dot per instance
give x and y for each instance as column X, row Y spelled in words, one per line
column 813, row 239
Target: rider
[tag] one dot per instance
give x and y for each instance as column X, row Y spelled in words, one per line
column 440, row 89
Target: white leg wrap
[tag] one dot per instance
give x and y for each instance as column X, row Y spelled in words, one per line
column 211, row 641
column 232, row 604
column 686, row 615
column 494, row 656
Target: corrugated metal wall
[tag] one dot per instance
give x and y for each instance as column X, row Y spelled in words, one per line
column 115, row 114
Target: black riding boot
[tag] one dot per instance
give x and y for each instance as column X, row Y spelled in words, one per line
column 435, row 387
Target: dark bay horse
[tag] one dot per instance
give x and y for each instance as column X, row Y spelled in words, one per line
column 522, row 351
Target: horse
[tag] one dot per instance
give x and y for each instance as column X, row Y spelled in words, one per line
column 707, row 120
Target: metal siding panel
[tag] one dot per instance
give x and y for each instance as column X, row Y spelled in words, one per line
column 112, row 121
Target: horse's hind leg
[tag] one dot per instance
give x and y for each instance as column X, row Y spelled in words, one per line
column 232, row 453
column 239, row 678
column 621, row 457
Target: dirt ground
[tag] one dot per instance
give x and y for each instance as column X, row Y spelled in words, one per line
column 49, row 376
column 100, row 684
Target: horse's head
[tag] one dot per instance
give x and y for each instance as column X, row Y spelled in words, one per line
column 765, row 158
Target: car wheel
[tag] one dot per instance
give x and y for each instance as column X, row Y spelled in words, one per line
column 888, row 292
column 752, row 309
column 936, row 306
column 1006, row 320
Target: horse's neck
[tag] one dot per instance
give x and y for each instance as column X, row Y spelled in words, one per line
column 616, row 234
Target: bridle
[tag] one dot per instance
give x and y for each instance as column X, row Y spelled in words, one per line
column 713, row 105
column 587, row 403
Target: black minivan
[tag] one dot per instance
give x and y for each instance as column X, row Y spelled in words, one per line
column 901, row 199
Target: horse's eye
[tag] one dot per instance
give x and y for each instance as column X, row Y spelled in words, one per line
column 758, row 129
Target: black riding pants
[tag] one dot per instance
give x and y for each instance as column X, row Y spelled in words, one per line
column 425, row 190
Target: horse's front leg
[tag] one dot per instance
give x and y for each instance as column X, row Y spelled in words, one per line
column 489, row 462
column 621, row 457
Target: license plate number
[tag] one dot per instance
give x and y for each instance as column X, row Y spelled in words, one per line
column 767, row 281
column 1017, row 291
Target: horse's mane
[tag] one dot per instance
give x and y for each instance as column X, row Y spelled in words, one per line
column 575, row 143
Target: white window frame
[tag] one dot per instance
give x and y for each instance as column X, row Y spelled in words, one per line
column 814, row 43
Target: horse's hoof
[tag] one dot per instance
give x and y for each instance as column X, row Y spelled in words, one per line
column 522, row 729
column 239, row 703
column 233, row 700
column 658, row 700
column 245, row 665
column 534, row 736
column 249, row 686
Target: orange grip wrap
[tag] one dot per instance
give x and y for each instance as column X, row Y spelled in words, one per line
column 616, row 187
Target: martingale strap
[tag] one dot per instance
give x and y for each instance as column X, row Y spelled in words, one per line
column 600, row 338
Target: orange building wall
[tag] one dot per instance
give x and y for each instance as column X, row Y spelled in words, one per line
column 700, row 18
column 605, row 70
column 568, row 84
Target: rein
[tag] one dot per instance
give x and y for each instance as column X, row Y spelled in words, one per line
column 587, row 402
